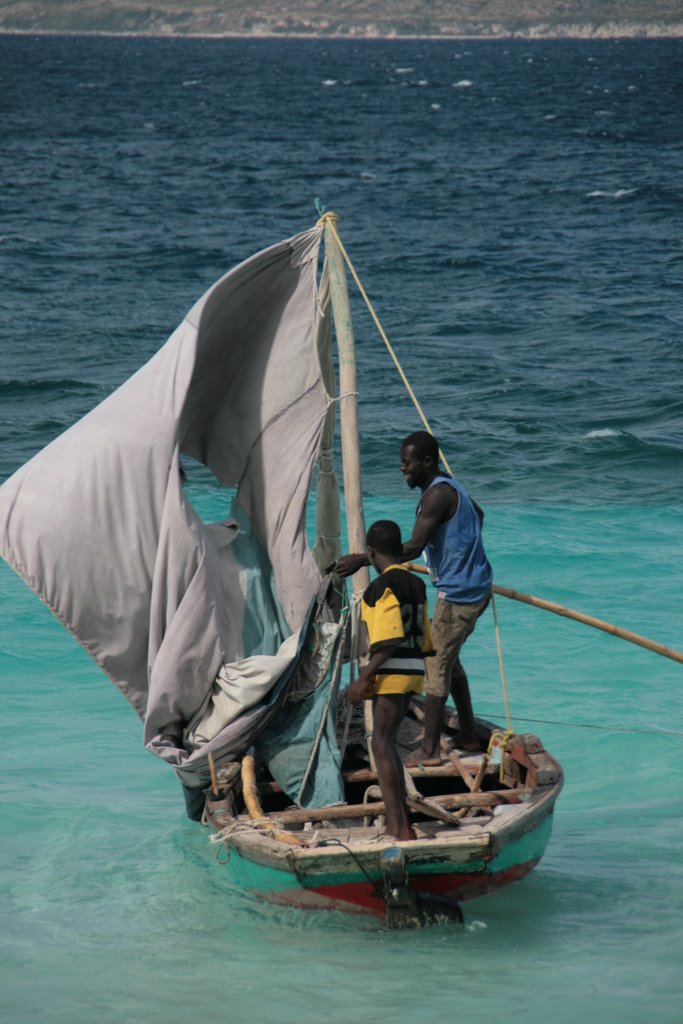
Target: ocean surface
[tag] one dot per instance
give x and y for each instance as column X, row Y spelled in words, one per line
column 515, row 212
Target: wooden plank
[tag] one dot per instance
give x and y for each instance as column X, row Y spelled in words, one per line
column 367, row 775
column 515, row 758
column 476, row 785
column 340, row 811
column 462, row 771
column 431, row 810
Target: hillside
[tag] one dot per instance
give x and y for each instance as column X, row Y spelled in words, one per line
column 356, row 18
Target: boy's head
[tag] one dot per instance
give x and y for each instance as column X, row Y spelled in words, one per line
column 384, row 541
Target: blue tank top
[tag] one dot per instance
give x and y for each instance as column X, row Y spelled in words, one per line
column 457, row 562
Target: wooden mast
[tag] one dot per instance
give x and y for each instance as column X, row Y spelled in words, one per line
column 348, row 398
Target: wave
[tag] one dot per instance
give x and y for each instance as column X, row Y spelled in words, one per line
column 10, row 388
column 620, row 193
column 604, row 432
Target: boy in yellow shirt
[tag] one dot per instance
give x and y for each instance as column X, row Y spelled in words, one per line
column 394, row 609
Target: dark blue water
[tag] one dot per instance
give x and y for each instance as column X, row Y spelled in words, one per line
column 514, row 210
column 515, row 213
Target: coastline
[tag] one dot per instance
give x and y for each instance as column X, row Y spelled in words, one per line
column 578, row 33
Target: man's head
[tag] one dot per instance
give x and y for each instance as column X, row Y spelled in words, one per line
column 384, row 542
column 419, row 458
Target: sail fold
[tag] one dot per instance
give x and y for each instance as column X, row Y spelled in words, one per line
column 100, row 526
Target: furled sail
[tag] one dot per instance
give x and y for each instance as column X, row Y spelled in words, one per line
column 98, row 523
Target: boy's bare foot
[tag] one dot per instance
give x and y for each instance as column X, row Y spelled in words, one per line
column 398, row 837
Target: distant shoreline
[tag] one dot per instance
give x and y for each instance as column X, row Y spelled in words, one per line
column 638, row 33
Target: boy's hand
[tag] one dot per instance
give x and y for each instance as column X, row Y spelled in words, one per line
column 359, row 689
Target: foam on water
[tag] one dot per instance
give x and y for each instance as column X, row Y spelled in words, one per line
column 605, row 432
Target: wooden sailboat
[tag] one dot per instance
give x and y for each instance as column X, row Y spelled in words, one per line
column 227, row 636
column 479, row 829
column 483, row 820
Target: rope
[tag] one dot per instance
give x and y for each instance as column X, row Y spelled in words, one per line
column 331, row 399
column 499, row 648
column 264, row 826
column 601, row 728
column 375, row 885
column 330, row 220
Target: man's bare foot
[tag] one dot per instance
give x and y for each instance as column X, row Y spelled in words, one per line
column 423, row 758
column 466, row 741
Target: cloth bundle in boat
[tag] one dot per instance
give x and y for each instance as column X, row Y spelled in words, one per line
column 98, row 523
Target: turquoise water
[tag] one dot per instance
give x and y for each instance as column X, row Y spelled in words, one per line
column 117, row 908
column 520, row 236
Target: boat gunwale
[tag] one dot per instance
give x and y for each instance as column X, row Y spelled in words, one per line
column 492, row 835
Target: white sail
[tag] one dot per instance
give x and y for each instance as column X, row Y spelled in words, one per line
column 99, row 526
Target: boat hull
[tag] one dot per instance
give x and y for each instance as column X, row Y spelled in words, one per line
column 338, row 883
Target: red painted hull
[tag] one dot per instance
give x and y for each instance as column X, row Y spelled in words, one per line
column 361, row 897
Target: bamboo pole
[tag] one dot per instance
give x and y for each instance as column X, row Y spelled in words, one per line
column 348, row 420
column 348, row 398
column 590, row 620
column 212, row 772
column 253, row 805
column 250, row 789
column 570, row 613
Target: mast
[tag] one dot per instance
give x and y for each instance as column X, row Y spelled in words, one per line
column 348, row 397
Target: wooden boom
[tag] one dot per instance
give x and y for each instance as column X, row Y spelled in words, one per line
column 570, row 613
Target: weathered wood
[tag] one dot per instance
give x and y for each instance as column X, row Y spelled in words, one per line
column 212, row 773
column 547, row 771
column 515, row 753
column 361, row 775
column 249, row 787
column 253, row 805
column 488, row 799
column 464, row 812
column 462, row 770
column 431, row 809
column 531, row 743
column 416, row 802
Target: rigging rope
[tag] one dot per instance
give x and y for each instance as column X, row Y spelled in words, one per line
column 499, row 648
column 330, row 220
column 593, row 725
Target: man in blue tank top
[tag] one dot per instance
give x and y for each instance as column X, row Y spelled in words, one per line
column 448, row 530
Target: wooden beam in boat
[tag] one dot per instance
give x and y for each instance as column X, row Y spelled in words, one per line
column 372, row 810
column 464, row 772
column 441, row 771
column 430, row 809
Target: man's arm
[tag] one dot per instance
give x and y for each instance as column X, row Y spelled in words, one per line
column 439, row 504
